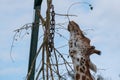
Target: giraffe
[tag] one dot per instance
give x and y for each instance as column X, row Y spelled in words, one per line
column 80, row 51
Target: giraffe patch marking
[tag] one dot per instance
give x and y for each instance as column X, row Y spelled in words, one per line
column 77, row 76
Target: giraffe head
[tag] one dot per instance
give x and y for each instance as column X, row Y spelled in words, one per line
column 73, row 27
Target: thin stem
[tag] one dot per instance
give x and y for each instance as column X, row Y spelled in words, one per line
column 57, row 63
column 78, row 3
column 63, row 58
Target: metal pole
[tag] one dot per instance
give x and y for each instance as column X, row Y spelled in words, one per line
column 34, row 40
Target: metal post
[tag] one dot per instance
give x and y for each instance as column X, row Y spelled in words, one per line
column 34, row 39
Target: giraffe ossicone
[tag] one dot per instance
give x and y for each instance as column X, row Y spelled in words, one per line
column 80, row 51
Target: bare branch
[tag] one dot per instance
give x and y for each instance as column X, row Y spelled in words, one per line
column 65, row 14
column 41, row 18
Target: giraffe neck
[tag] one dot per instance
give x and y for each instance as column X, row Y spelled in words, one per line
column 81, row 68
column 80, row 61
column 80, row 51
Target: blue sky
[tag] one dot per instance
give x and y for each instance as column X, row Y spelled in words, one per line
column 105, row 34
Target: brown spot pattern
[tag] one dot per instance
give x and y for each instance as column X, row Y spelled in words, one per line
column 83, row 77
column 78, row 59
column 77, row 76
column 77, row 67
column 81, row 70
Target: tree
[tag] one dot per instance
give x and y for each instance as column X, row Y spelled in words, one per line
column 49, row 67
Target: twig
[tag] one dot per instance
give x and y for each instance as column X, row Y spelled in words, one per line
column 62, row 36
column 62, row 46
column 12, row 47
column 39, row 73
column 24, row 27
column 78, row 3
column 38, row 66
column 41, row 18
column 55, row 71
column 63, row 58
column 63, row 63
column 29, row 73
column 62, row 27
column 65, row 14
column 57, row 63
